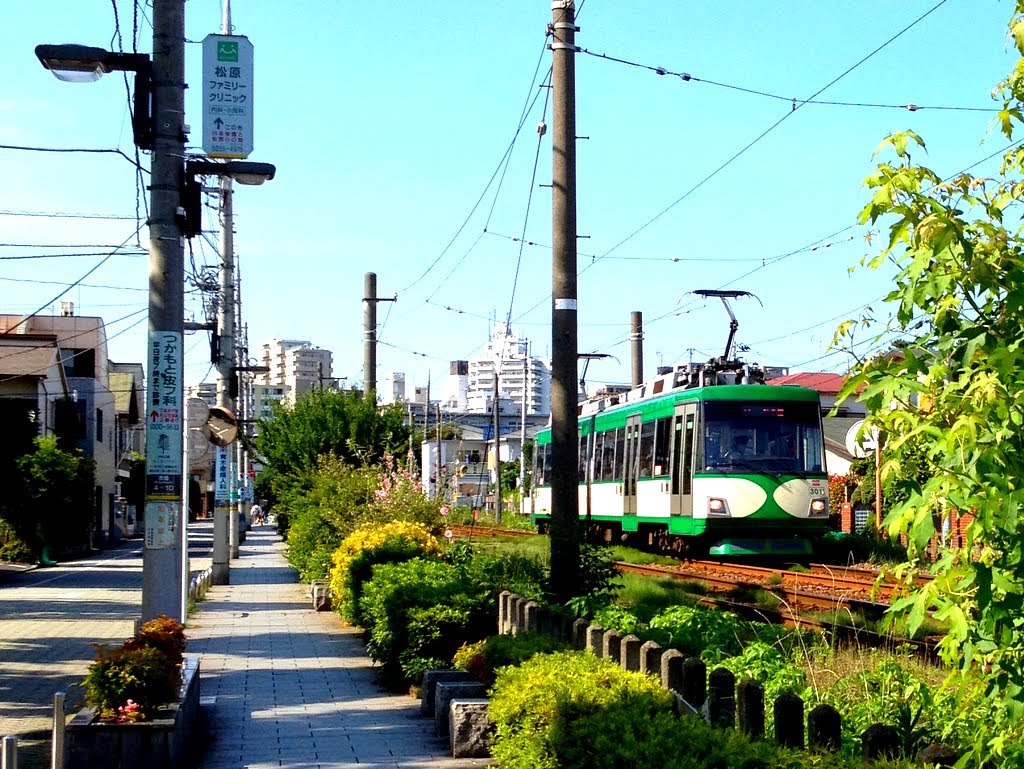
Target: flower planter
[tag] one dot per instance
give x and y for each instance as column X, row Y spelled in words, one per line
column 160, row 743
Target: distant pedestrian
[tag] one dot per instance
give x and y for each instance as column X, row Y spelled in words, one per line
column 256, row 514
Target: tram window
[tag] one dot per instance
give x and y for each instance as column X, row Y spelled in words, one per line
column 662, row 436
column 582, row 464
column 646, row 449
column 619, row 454
column 542, row 465
column 598, row 455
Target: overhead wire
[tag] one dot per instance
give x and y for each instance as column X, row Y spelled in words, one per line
column 735, row 156
column 69, row 287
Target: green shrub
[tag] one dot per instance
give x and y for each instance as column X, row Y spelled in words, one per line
column 771, row 668
column 620, row 619
column 483, row 658
column 419, row 612
column 712, row 634
column 517, row 573
column 371, row 544
column 143, row 675
column 892, row 693
column 541, row 707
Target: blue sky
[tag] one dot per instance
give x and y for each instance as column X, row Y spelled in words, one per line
column 387, row 121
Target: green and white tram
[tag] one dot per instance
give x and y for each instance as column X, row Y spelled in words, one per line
column 722, row 469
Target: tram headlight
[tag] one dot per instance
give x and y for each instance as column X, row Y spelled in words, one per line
column 819, row 508
column 717, row 506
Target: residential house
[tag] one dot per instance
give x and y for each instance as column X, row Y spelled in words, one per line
column 82, row 350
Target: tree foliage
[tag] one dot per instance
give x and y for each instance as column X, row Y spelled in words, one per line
column 341, row 423
column 951, row 404
column 50, row 501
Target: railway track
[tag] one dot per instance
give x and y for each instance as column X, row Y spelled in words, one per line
column 823, row 589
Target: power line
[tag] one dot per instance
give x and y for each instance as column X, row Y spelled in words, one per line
column 64, row 215
column 688, row 78
column 797, row 104
column 87, row 150
column 64, row 283
column 70, row 286
column 505, row 156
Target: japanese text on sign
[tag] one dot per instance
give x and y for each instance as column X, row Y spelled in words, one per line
column 227, row 96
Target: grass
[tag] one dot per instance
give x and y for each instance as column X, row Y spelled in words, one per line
column 645, row 596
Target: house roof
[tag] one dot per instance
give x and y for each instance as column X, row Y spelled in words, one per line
column 824, row 382
column 27, row 355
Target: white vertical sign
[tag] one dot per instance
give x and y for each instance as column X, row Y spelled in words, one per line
column 227, row 96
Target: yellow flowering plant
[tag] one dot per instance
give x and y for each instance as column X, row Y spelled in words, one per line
column 368, row 545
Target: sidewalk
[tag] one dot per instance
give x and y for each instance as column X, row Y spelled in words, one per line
column 284, row 686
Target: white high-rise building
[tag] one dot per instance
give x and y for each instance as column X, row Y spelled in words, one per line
column 520, row 377
column 296, row 365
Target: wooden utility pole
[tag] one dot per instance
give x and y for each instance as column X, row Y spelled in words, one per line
column 565, row 538
column 162, row 579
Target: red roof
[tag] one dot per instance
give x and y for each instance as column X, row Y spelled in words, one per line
column 822, row 381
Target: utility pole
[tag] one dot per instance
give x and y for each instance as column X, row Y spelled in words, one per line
column 225, row 525
column 370, row 300
column 239, row 361
column 565, row 537
column 164, row 551
column 636, row 344
column 370, row 336
column 497, row 448
column 522, row 433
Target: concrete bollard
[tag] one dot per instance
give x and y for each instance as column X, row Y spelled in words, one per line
column 672, row 671
column 722, row 698
column 650, row 658
column 445, row 692
column 59, row 725
column 503, row 611
column 10, row 753
column 611, row 645
column 595, row 639
column 579, row 634
column 880, row 741
column 629, row 655
column 531, row 622
column 695, row 682
column 789, row 721
column 750, row 708
column 431, row 678
column 824, row 728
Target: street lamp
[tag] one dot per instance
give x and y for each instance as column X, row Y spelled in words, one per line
column 74, row 63
column 241, row 171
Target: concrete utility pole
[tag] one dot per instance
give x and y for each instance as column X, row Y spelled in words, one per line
column 636, row 346
column 565, row 537
column 522, row 433
column 497, row 447
column 239, row 351
column 163, row 553
column 370, row 336
column 225, row 525
column 370, row 300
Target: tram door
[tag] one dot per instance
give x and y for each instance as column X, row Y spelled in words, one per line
column 631, row 465
column 684, row 423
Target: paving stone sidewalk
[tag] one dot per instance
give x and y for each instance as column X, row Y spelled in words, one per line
column 284, row 686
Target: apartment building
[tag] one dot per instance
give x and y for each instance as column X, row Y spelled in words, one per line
column 295, row 365
column 521, row 377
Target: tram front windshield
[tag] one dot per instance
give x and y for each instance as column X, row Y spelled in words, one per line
column 763, row 437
